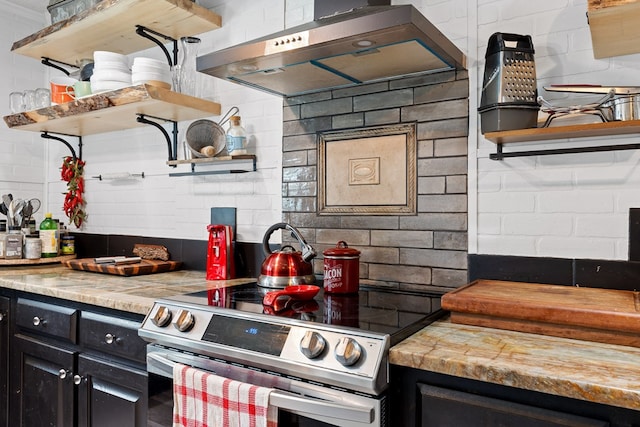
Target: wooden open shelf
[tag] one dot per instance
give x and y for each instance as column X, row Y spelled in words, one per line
column 564, row 132
column 111, row 25
column 614, row 27
column 217, row 165
column 114, row 110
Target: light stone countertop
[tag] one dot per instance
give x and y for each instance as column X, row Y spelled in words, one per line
column 134, row 294
column 596, row 372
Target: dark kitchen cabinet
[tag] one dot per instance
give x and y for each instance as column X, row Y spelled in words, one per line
column 73, row 367
column 4, row 360
column 427, row 399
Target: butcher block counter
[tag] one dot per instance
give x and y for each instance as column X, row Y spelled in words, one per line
column 586, row 370
column 130, row 294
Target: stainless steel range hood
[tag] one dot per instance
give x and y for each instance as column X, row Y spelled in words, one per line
column 364, row 45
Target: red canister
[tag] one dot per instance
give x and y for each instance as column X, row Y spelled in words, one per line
column 341, row 269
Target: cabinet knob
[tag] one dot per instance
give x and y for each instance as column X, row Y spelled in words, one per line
column 38, row 321
column 110, row 339
column 2, row 315
column 77, row 379
column 62, row 374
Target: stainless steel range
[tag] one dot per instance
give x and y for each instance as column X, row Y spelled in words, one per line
column 327, row 358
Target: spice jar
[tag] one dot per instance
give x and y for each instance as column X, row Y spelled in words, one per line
column 13, row 243
column 32, row 247
column 341, row 269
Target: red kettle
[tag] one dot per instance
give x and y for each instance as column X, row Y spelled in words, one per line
column 286, row 266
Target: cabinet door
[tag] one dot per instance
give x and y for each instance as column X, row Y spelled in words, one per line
column 444, row 407
column 111, row 394
column 4, row 360
column 42, row 390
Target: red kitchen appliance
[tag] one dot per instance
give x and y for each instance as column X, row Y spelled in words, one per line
column 220, row 262
column 341, row 269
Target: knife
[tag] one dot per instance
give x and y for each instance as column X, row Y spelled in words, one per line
column 118, row 260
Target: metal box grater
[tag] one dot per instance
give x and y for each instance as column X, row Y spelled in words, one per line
column 509, row 89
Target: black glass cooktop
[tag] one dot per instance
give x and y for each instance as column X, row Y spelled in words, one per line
column 396, row 313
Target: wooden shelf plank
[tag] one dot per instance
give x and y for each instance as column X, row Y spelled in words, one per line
column 565, row 132
column 111, row 25
column 114, row 110
column 614, row 27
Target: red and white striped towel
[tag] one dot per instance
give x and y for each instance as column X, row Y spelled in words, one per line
column 201, row 399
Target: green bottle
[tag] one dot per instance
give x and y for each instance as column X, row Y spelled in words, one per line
column 49, row 236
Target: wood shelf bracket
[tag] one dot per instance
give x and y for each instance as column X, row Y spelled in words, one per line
column 501, row 155
column 151, row 35
column 172, row 143
column 47, row 135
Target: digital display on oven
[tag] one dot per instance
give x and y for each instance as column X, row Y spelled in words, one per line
column 247, row 334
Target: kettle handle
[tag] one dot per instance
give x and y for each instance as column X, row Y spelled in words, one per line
column 307, row 251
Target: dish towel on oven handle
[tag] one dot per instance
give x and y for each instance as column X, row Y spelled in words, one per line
column 202, row 399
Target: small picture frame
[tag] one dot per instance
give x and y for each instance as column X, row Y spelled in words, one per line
column 368, row 171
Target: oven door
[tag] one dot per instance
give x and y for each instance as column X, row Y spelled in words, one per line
column 299, row 403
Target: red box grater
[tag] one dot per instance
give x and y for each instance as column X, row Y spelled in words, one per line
column 220, row 263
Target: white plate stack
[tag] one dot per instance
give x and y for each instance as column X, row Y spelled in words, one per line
column 151, row 71
column 110, row 71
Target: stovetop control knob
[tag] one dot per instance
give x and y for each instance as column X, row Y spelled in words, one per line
column 348, row 351
column 162, row 317
column 184, row 321
column 312, row 344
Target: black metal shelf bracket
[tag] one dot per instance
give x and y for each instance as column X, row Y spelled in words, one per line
column 501, row 155
column 53, row 64
column 172, row 143
column 47, row 135
column 149, row 34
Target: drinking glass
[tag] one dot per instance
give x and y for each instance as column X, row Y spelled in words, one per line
column 16, row 102
column 29, row 99
column 43, row 97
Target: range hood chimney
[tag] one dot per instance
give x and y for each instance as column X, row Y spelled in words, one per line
column 344, row 46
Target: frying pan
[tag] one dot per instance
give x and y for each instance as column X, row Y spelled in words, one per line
column 276, row 299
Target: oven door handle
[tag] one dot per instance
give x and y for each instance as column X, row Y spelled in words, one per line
column 289, row 401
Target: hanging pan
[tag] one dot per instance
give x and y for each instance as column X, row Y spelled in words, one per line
column 206, row 138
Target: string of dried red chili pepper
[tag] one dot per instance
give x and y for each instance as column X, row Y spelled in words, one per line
column 74, row 204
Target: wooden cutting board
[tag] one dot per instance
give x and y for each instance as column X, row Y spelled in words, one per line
column 146, row 266
column 601, row 315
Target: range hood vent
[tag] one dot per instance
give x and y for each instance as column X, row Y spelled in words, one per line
column 364, row 45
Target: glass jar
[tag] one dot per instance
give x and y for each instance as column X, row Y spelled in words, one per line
column 3, row 237
column 32, row 247
column 13, row 242
column 236, row 137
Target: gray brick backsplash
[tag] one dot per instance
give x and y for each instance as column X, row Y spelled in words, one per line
column 451, row 128
column 302, row 189
column 451, row 147
column 294, row 158
column 299, row 204
column 435, row 221
column 436, row 111
column 448, row 278
column 400, row 273
column 442, row 203
column 450, row 240
column 326, row 108
column 382, row 117
column 346, row 121
column 432, row 185
column 426, row 252
column 442, row 92
column 299, row 142
column 307, row 173
column 352, row 237
column 434, row 258
column 457, row 184
column 383, row 100
column 442, row 166
column 402, row 238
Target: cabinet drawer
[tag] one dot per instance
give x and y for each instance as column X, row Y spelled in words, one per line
column 111, row 335
column 47, row 319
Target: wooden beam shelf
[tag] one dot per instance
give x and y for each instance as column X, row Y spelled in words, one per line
column 113, row 110
column 565, row 132
column 614, row 27
column 111, row 25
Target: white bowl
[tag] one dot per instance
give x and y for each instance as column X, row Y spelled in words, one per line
column 106, row 56
column 150, row 62
column 149, row 68
column 110, row 65
column 144, row 76
column 106, row 85
column 113, row 75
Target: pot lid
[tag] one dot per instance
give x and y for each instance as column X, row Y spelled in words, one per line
column 341, row 249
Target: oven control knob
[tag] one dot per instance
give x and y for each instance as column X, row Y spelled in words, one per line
column 162, row 317
column 184, row 321
column 348, row 351
column 312, row 344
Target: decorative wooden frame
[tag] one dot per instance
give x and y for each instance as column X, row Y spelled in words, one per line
column 368, row 171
